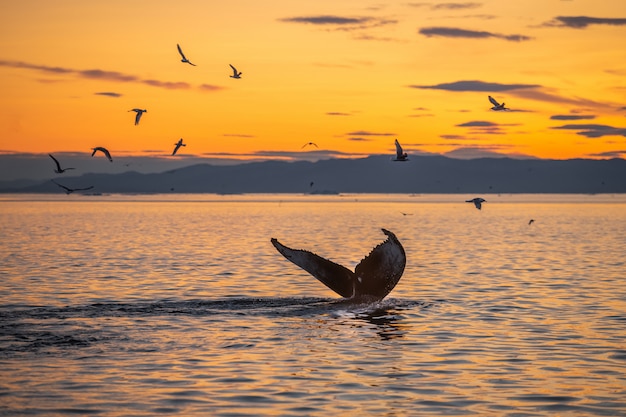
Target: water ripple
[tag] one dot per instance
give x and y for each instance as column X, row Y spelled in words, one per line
column 185, row 308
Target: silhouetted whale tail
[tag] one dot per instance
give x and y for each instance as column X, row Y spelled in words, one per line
column 374, row 277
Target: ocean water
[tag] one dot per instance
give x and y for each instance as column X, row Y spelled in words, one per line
column 179, row 305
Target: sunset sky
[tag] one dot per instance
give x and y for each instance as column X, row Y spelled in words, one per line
column 349, row 75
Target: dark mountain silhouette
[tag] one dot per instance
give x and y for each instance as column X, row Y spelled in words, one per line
column 374, row 174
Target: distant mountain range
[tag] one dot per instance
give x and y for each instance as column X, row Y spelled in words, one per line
column 374, row 174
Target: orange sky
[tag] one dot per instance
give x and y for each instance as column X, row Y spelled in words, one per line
column 350, row 76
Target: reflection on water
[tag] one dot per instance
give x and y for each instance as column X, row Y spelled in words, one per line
column 147, row 305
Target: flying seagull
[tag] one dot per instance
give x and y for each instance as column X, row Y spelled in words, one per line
column 309, row 144
column 138, row 115
column 59, row 170
column 477, row 202
column 178, row 145
column 184, row 58
column 71, row 190
column 400, row 155
column 374, row 277
column 235, row 73
column 104, row 151
column 497, row 106
column 531, row 221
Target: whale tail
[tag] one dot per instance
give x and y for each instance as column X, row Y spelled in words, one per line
column 374, row 277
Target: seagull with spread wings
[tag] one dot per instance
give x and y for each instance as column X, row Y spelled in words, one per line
column 138, row 115
column 184, row 58
column 59, row 170
column 105, row 151
column 401, row 156
column 497, row 106
column 478, row 202
column 178, row 145
column 71, row 190
column 236, row 74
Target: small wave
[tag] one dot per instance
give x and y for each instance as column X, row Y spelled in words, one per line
column 271, row 306
column 44, row 329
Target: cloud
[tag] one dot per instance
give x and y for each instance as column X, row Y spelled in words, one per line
column 108, row 94
column 582, row 22
column 18, row 64
column 594, row 130
column 305, row 155
column 421, row 112
column 209, row 87
column 485, row 127
column 572, row 117
column 105, row 75
column 340, row 22
column 98, row 74
column 367, row 133
column 610, row 154
column 487, row 151
column 477, row 123
column 374, row 38
column 455, row 6
column 337, row 113
column 618, row 72
column 363, row 135
column 238, row 135
column 180, row 85
column 473, row 152
column 545, row 95
column 326, row 20
column 449, row 32
column 476, row 86
column 453, row 137
column 526, row 91
column 447, row 6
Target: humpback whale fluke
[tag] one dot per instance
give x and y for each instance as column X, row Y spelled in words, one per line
column 373, row 278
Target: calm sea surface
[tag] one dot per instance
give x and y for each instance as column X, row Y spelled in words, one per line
column 179, row 305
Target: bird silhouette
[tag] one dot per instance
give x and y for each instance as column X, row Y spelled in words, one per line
column 309, row 144
column 71, row 190
column 104, row 151
column 497, row 106
column 184, row 58
column 400, row 155
column 59, row 170
column 178, row 145
column 478, row 202
column 138, row 115
column 236, row 74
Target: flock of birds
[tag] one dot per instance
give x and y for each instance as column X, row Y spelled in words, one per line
column 138, row 113
column 400, row 156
